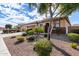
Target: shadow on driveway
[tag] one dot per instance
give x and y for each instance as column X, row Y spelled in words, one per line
column 61, row 37
column 61, row 50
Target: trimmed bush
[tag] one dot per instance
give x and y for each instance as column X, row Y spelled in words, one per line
column 74, row 45
column 73, row 37
column 5, row 31
column 18, row 30
column 13, row 37
column 75, row 31
column 30, row 32
column 43, row 47
column 20, row 39
column 34, row 30
column 39, row 30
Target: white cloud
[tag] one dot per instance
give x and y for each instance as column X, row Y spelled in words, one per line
column 22, row 18
column 34, row 12
column 14, row 5
column 6, row 22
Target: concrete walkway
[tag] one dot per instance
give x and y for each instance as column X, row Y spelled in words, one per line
column 3, row 49
column 11, row 34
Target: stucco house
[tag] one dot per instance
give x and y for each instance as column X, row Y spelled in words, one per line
column 74, row 28
column 62, row 22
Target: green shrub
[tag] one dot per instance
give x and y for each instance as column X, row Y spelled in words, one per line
column 5, row 31
column 33, row 30
column 30, row 32
column 75, row 31
column 43, row 47
column 74, row 45
column 20, row 39
column 13, row 37
column 39, row 30
column 73, row 37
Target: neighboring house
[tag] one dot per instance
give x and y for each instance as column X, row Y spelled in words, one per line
column 2, row 28
column 61, row 22
column 74, row 28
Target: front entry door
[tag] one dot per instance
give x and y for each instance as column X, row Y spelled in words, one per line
column 46, row 28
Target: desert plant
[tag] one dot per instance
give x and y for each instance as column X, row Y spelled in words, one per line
column 73, row 37
column 13, row 37
column 20, row 39
column 39, row 30
column 74, row 45
column 30, row 32
column 43, row 47
column 5, row 31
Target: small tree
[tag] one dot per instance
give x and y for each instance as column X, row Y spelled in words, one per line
column 8, row 26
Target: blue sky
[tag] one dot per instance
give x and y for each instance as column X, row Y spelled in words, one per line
column 74, row 17
column 17, row 13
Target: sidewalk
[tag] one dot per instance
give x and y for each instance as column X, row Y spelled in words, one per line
column 11, row 34
column 3, row 49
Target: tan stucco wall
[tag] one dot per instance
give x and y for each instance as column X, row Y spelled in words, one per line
column 63, row 23
column 71, row 28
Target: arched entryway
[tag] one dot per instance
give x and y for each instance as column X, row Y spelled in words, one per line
column 46, row 28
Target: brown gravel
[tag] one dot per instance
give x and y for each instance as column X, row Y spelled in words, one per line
column 26, row 48
column 21, row 49
column 63, row 43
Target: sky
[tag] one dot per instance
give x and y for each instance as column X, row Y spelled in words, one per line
column 17, row 13
column 74, row 18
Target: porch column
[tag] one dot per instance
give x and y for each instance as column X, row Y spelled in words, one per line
column 66, row 29
column 51, row 27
